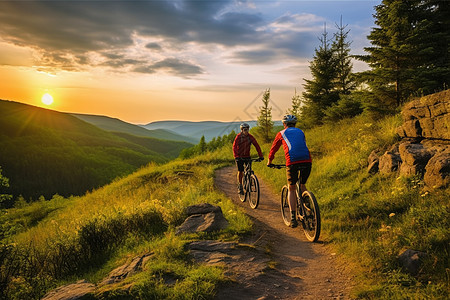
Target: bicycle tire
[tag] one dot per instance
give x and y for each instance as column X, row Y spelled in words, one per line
column 243, row 196
column 253, row 191
column 311, row 221
column 285, row 210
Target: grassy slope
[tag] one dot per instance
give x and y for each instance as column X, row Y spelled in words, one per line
column 86, row 237
column 371, row 218
column 44, row 152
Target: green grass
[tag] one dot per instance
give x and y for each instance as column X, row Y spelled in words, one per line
column 370, row 219
column 62, row 240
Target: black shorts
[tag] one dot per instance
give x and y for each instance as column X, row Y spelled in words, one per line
column 293, row 171
column 240, row 163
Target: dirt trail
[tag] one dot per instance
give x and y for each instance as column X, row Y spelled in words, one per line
column 302, row 270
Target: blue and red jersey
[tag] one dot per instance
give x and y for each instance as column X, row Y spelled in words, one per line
column 294, row 145
column 242, row 143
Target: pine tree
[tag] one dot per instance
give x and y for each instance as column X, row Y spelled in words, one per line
column 341, row 47
column 320, row 91
column 296, row 105
column 202, row 145
column 410, row 51
column 265, row 123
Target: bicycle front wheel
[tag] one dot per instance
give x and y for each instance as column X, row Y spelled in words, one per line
column 285, row 211
column 253, row 195
column 243, row 196
column 311, row 220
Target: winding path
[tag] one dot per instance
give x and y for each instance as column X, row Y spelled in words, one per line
column 298, row 269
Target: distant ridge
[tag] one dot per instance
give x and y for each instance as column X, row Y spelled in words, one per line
column 117, row 125
column 209, row 129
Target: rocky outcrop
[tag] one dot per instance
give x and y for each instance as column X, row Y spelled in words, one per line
column 425, row 146
column 73, row 291
column 427, row 117
column 203, row 218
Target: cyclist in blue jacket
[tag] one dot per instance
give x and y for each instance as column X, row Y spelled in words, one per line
column 297, row 157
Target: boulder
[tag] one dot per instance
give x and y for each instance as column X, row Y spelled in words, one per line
column 437, row 173
column 427, row 117
column 389, row 162
column 411, row 261
column 203, row 218
column 414, row 158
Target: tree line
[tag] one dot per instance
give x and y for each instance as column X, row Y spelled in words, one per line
column 409, row 56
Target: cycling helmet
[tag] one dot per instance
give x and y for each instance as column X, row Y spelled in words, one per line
column 290, row 119
column 245, row 125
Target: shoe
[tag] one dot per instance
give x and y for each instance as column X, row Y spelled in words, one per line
column 293, row 223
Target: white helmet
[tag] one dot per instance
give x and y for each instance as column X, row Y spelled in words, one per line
column 290, row 119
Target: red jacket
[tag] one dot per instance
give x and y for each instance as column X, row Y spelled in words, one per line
column 242, row 143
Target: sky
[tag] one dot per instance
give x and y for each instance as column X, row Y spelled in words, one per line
column 150, row 60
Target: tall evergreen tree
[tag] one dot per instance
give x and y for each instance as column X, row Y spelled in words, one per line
column 320, row 91
column 432, row 40
column 341, row 47
column 409, row 52
column 265, row 123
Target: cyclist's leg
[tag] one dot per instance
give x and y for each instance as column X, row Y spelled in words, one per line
column 292, row 178
column 305, row 171
column 240, row 174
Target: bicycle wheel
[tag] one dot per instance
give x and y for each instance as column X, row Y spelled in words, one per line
column 253, row 195
column 311, row 218
column 243, row 196
column 285, row 211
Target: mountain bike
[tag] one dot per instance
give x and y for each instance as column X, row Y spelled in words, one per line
column 308, row 212
column 250, row 183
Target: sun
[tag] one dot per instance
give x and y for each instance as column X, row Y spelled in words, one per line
column 47, row 99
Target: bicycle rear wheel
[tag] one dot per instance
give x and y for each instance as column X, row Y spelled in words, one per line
column 253, row 195
column 285, row 211
column 311, row 220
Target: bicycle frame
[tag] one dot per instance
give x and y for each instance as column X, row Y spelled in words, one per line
column 250, row 183
column 308, row 212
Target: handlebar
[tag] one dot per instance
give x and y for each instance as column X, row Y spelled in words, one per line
column 249, row 159
column 274, row 166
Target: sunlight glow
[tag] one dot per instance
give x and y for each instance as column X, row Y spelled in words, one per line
column 47, row 99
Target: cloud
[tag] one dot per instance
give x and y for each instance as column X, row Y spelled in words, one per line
column 172, row 66
column 71, row 35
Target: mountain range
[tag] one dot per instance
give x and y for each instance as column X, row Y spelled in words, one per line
column 208, row 129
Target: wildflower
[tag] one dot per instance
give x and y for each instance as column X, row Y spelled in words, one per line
column 391, row 215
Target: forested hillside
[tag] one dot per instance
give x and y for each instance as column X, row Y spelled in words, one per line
column 43, row 152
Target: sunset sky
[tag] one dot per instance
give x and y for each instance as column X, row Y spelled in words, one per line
column 143, row 61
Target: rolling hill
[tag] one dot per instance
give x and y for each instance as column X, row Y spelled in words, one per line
column 44, row 152
column 116, row 125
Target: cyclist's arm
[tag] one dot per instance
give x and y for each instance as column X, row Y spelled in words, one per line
column 277, row 142
column 235, row 147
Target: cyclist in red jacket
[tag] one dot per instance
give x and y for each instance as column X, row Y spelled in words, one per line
column 297, row 157
column 241, row 149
